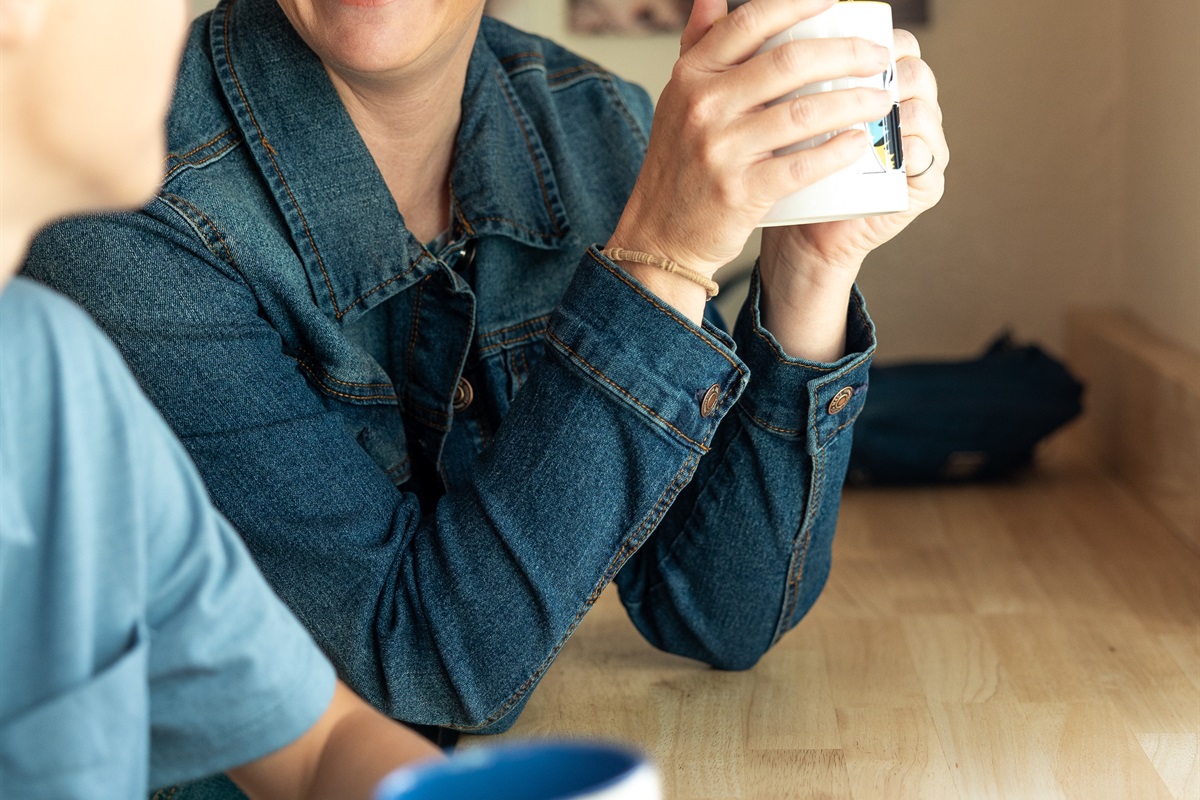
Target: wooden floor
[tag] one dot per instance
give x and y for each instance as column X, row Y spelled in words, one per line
column 1036, row 640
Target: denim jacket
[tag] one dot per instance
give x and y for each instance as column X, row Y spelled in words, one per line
column 439, row 458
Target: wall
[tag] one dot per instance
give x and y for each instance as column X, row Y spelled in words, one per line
column 1037, row 217
column 1161, row 283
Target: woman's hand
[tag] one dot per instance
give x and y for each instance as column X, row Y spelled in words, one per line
column 835, row 250
column 710, row 173
column 807, row 270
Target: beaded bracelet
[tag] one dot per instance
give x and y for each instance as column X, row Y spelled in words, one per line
column 617, row 254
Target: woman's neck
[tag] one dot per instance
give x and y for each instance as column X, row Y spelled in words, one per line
column 410, row 124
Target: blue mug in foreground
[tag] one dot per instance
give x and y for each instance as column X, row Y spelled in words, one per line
column 531, row 771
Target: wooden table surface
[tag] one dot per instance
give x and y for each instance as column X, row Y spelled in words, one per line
column 1034, row 640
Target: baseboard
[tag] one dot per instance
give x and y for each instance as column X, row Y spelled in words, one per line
column 1142, row 412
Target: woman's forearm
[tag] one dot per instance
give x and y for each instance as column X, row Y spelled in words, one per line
column 344, row 754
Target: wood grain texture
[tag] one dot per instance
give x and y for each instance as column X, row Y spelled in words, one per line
column 1039, row 639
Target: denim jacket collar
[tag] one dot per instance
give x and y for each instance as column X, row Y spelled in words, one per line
column 326, row 183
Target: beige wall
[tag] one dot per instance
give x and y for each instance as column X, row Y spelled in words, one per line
column 1161, row 282
column 1053, row 195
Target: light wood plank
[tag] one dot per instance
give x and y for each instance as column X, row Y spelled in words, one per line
column 893, row 752
column 954, row 658
column 1093, row 755
column 868, row 664
column 791, row 705
column 991, row 752
column 1176, row 757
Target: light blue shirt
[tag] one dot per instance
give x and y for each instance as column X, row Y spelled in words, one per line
column 139, row 646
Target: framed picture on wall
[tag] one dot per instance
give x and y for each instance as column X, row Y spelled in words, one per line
column 634, row 17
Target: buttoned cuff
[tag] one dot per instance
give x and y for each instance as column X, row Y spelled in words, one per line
column 627, row 341
column 798, row 398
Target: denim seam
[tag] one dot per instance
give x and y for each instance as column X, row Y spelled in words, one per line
column 577, row 68
column 515, row 224
column 271, row 155
column 839, row 429
column 508, row 328
column 762, row 424
column 700, row 490
column 209, row 143
column 412, row 266
column 611, row 90
column 187, row 206
column 509, row 342
column 459, row 211
column 758, row 331
column 414, row 327
column 325, row 376
column 427, row 416
column 519, row 56
column 584, row 362
column 630, row 545
column 532, row 156
column 183, row 162
column 759, row 421
column 670, row 314
column 520, row 369
column 521, row 69
column 317, row 380
column 800, row 547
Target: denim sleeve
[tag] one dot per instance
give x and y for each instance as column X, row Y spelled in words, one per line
column 745, row 550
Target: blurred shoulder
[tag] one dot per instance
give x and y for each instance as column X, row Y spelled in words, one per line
column 48, row 344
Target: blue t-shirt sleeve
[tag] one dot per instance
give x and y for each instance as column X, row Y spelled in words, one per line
column 233, row 676
column 121, row 544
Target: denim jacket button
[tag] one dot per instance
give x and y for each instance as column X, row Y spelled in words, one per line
column 709, row 403
column 840, row 400
column 463, row 394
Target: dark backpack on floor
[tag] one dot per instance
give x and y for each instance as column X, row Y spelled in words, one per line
column 957, row 421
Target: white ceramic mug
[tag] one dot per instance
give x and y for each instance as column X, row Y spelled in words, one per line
column 877, row 182
column 532, row 771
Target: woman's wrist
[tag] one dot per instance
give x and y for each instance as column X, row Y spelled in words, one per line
column 806, row 309
column 684, row 294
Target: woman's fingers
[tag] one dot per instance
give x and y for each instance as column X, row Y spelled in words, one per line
column 704, row 15
column 918, row 118
column 773, row 74
column 776, row 177
column 918, row 157
column 738, row 35
column 916, row 80
column 905, row 45
column 802, row 118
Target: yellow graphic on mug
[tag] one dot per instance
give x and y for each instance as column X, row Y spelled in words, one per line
column 885, row 133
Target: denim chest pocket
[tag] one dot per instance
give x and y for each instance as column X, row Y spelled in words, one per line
column 93, row 735
column 507, row 356
column 357, row 389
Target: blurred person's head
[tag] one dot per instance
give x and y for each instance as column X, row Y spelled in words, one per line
column 85, row 86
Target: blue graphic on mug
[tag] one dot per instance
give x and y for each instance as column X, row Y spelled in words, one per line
column 889, row 151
